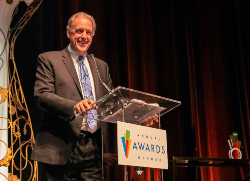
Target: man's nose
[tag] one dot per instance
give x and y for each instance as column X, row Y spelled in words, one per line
column 84, row 35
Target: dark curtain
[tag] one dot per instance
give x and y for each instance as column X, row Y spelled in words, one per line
column 195, row 51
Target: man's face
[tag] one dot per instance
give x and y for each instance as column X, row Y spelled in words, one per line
column 81, row 35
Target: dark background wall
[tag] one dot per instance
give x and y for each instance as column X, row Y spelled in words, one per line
column 193, row 51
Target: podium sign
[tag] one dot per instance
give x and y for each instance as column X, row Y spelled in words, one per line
column 141, row 146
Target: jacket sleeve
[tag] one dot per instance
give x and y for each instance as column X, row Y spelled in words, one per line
column 44, row 91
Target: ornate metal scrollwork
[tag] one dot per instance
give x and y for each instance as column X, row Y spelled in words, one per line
column 4, row 94
column 6, row 160
column 21, row 137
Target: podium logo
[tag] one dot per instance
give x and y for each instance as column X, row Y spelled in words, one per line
column 126, row 141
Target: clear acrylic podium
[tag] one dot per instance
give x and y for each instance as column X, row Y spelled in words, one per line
column 131, row 106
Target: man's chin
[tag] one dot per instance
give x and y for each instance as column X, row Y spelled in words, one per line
column 81, row 50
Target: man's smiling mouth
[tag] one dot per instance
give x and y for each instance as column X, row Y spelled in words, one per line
column 82, row 42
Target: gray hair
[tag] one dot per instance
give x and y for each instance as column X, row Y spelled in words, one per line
column 84, row 15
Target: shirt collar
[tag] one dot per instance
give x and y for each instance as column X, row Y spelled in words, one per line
column 74, row 55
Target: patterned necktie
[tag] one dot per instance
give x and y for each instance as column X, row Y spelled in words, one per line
column 87, row 90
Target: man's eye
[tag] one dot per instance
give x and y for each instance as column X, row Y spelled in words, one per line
column 78, row 31
column 88, row 33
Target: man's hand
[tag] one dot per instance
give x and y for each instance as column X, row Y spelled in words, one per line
column 83, row 107
column 150, row 120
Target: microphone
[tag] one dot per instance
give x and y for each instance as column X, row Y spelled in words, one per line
column 106, row 87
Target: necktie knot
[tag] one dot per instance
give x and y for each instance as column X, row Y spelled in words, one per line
column 81, row 58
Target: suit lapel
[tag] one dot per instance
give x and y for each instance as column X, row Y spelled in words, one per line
column 67, row 60
column 95, row 76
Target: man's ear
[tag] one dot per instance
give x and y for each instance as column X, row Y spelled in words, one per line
column 68, row 34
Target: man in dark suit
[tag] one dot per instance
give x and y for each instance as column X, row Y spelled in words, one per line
column 65, row 143
column 67, row 84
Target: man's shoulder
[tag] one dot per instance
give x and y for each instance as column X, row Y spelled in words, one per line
column 50, row 53
column 54, row 55
column 97, row 60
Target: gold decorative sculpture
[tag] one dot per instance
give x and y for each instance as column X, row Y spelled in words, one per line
column 4, row 94
column 6, row 160
column 21, row 137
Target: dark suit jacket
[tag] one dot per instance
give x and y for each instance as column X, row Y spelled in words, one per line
column 57, row 90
